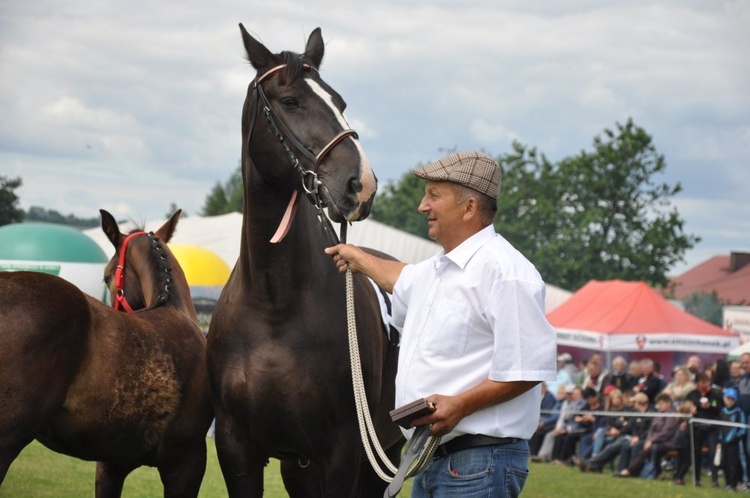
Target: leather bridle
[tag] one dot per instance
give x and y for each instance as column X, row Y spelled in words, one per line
column 308, row 177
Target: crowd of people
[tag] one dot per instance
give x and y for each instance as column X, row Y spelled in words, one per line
column 631, row 419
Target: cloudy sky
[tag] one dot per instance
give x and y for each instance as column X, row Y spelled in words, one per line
column 133, row 105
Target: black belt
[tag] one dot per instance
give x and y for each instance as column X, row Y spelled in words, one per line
column 472, row 441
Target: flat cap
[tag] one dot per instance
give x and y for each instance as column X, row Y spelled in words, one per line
column 475, row 170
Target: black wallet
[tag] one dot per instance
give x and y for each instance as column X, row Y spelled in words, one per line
column 403, row 415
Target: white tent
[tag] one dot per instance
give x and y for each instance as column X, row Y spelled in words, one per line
column 221, row 235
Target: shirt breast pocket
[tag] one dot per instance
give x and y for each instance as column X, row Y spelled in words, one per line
column 448, row 329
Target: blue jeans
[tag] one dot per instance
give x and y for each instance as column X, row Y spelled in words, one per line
column 489, row 472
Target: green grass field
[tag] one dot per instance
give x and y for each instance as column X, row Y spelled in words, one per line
column 40, row 473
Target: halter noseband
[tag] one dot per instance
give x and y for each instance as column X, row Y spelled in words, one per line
column 120, row 300
column 308, row 178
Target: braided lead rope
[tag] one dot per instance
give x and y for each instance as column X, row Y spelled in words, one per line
column 366, row 427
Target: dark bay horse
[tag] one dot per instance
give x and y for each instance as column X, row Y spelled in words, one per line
column 122, row 389
column 278, row 356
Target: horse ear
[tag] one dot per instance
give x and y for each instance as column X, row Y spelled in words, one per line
column 315, row 48
column 110, row 228
column 167, row 229
column 258, row 55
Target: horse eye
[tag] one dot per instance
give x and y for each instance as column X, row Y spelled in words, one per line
column 290, row 102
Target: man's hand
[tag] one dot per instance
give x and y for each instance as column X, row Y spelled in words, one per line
column 449, row 410
column 382, row 271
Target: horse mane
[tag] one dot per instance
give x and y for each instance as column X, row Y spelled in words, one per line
column 158, row 265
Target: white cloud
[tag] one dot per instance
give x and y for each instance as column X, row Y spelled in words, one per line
column 149, row 96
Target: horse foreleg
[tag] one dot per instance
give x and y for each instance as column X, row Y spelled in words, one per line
column 110, row 479
column 243, row 473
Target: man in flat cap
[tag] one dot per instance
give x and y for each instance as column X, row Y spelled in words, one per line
column 475, row 341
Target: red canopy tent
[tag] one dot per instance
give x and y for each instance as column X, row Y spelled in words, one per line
column 631, row 317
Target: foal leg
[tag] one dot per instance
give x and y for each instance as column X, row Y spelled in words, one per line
column 109, row 479
column 181, row 468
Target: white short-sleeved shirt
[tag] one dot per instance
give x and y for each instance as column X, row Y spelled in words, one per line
column 474, row 314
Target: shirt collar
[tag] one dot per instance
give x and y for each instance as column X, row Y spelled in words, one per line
column 466, row 249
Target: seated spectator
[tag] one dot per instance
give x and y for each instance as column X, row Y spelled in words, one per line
column 619, row 377
column 629, row 442
column 594, row 424
column 565, row 444
column 680, row 386
column 614, row 401
column 649, row 383
column 730, row 438
column 573, row 402
column 659, row 440
column 682, row 443
column 547, row 421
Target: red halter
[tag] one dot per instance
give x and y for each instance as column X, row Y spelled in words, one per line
column 120, row 301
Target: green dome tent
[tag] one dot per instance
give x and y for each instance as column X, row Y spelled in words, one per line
column 55, row 249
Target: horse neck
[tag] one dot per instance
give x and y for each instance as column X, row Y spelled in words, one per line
column 163, row 283
column 280, row 269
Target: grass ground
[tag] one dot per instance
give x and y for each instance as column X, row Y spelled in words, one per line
column 40, row 473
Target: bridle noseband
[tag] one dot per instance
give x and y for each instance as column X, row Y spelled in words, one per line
column 308, row 177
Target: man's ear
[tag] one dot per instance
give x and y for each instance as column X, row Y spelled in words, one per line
column 471, row 208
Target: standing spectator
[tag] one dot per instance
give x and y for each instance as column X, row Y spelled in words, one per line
column 648, row 384
column 743, row 400
column 720, row 373
column 595, row 377
column 567, row 372
column 547, row 421
column 708, row 405
column 729, row 439
column 680, row 386
column 694, row 366
column 619, row 377
column 682, row 443
column 735, row 372
column 634, row 369
column 659, row 440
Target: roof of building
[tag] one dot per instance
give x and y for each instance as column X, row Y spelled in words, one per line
column 727, row 274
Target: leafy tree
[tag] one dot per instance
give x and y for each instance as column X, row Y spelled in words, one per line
column 397, row 205
column 9, row 210
column 705, row 306
column 597, row 215
column 225, row 198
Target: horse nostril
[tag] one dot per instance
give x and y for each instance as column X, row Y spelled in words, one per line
column 355, row 185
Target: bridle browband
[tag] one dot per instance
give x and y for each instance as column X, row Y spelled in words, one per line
column 308, row 177
column 120, row 301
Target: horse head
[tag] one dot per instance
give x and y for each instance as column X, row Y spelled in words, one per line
column 292, row 117
column 154, row 276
